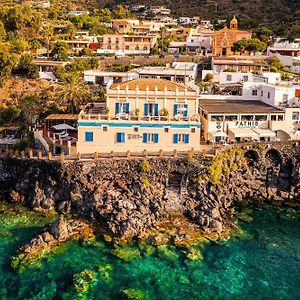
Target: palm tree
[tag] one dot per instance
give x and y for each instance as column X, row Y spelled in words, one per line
column 72, row 92
column 47, row 33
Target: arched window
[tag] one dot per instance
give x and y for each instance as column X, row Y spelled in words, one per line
column 117, row 47
column 108, row 47
column 137, row 47
column 145, row 48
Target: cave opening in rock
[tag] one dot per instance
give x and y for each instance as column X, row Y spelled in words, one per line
column 252, row 157
column 274, row 157
column 174, row 179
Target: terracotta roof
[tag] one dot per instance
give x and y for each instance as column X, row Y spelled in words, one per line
column 237, row 106
column 67, row 117
column 142, row 84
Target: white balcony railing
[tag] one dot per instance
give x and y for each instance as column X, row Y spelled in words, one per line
column 129, row 117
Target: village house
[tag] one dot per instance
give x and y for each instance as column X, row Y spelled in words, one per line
column 238, row 63
column 224, row 39
column 288, row 54
column 106, row 79
column 140, row 114
column 120, row 44
column 181, row 72
column 196, row 43
column 160, row 10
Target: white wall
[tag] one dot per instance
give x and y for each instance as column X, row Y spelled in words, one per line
column 271, row 94
column 235, row 77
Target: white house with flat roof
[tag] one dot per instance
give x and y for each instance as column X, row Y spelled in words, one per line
column 240, row 77
column 104, row 78
column 182, row 72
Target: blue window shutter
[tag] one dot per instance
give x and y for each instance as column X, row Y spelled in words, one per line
column 89, row 136
column 175, row 138
column 155, row 138
column 185, row 112
column 145, row 139
column 123, row 137
column 186, row 138
column 127, row 108
column 156, row 109
column 117, row 107
column 146, row 109
column 175, row 109
column 118, row 137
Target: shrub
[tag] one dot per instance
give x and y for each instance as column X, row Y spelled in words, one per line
column 258, row 146
column 144, row 166
column 146, row 182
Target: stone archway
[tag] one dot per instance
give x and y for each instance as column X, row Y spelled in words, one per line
column 274, row 157
column 252, row 157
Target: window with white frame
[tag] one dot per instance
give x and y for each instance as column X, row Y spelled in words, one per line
column 285, row 97
column 122, row 108
column 295, row 115
column 181, row 138
column 228, row 77
column 150, row 138
column 254, row 92
column 181, row 110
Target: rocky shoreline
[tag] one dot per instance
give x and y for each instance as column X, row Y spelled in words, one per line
column 135, row 198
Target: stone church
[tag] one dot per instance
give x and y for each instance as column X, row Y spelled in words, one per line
column 224, row 39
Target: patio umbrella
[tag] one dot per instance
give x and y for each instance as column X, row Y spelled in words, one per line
column 63, row 127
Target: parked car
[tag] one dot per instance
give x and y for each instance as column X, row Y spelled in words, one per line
column 42, row 57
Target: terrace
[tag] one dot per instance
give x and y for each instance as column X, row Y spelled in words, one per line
column 96, row 112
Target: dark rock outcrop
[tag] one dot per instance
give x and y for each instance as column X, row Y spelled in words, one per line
column 128, row 201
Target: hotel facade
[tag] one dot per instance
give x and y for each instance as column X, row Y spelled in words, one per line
column 142, row 114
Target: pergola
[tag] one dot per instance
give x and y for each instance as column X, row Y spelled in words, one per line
column 55, row 119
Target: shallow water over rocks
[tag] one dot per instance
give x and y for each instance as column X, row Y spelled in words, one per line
column 264, row 263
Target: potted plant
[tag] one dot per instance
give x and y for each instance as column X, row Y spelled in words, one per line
column 137, row 112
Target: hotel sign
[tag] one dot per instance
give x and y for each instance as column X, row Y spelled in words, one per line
column 246, row 124
column 134, row 136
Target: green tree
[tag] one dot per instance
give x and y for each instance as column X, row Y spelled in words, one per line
column 240, row 46
column 208, row 77
column 2, row 31
column 121, row 12
column 47, row 33
column 8, row 61
column 274, row 63
column 25, row 66
column 255, row 45
column 264, row 35
column 30, row 106
column 35, row 44
column 72, row 92
column 9, row 115
column 19, row 45
column 60, row 51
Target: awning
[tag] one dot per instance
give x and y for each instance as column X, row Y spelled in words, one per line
column 218, row 133
column 265, row 132
column 63, row 127
column 244, row 133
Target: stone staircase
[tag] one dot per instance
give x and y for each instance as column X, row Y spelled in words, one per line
column 185, row 180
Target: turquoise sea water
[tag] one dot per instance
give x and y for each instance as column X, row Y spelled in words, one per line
column 264, row 264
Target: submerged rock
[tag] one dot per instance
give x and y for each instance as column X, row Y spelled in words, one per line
column 60, row 231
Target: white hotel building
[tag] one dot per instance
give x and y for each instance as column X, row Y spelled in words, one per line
column 263, row 112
